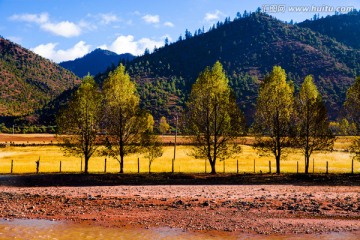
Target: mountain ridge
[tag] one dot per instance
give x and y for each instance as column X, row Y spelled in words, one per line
column 29, row 81
column 248, row 48
column 95, row 62
column 344, row 27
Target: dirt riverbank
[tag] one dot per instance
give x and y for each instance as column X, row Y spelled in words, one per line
column 257, row 206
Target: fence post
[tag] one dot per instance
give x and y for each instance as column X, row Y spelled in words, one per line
column 254, row 165
column 327, row 167
column 269, row 166
column 138, row 165
column 352, row 166
column 81, row 166
column 105, row 166
column 12, row 166
column 60, row 166
column 172, row 165
column 237, row 166
column 37, row 166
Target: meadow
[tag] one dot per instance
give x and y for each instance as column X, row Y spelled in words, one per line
column 51, row 156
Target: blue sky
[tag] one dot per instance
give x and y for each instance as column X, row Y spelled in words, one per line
column 64, row 30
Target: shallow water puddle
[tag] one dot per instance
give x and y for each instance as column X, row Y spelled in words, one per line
column 44, row 229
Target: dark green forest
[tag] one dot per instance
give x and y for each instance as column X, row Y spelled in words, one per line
column 344, row 28
column 248, row 47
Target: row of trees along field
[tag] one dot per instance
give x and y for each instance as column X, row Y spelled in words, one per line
column 114, row 112
column 109, row 121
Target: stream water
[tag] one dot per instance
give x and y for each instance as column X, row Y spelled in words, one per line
column 44, row 229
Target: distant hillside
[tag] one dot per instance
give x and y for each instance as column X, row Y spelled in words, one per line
column 344, row 28
column 248, row 47
column 28, row 81
column 95, row 62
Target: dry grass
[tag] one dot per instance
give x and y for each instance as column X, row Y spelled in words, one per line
column 50, row 156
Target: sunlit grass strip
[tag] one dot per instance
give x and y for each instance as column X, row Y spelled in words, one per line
column 24, row 159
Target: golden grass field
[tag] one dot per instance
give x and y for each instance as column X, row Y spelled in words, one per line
column 24, row 159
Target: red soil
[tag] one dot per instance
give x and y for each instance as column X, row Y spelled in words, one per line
column 51, row 139
column 263, row 209
column 28, row 138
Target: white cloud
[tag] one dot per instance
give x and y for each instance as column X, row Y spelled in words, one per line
column 35, row 18
column 213, row 16
column 169, row 24
column 107, row 18
column 151, row 18
column 45, row 50
column 49, row 51
column 87, row 25
column 128, row 44
column 65, row 28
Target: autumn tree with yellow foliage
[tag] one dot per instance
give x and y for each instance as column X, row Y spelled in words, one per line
column 124, row 122
column 274, row 107
column 213, row 118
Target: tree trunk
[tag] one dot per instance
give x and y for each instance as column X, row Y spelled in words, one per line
column 277, row 157
column 307, row 160
column 212, row 164
column 121, row 164
column 278, row 144
column 86, row 164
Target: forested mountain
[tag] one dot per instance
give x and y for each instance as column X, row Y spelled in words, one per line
column 344, row 28
column 95, row 62
column 248, row 48
column 28, row 81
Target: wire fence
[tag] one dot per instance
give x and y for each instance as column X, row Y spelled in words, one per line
column 141, row 165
